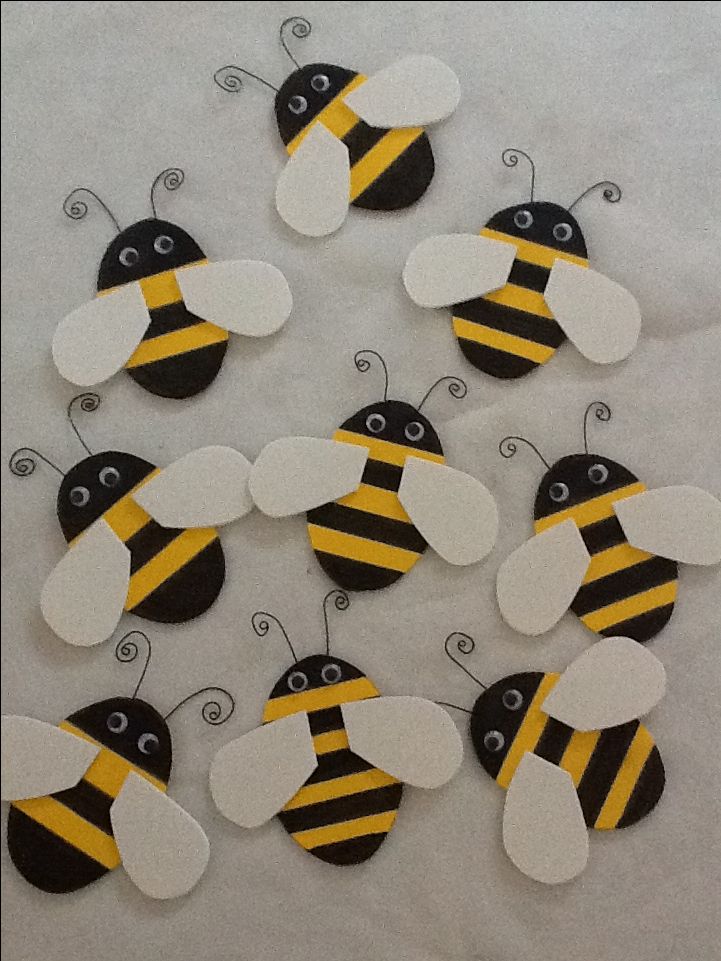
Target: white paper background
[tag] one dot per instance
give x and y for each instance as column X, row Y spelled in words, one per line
column 107, row 94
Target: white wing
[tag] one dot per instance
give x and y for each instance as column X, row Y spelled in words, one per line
column 412, row 92
column 255, row 776
column 295, row 474
column 614, row 681
column 409, row 738
column 544, row 832
column 205, row 488
column 163, row 849
column 84, row 596
column 683, row 523
column 243, row 296
column 40, row 759
column 313, row 189
column 451, row 268
column 537, row 583
column 96, row 340
column 601, row 318
column 453, row 511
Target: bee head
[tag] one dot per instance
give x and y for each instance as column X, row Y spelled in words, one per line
column 397, row 422
column 314, row 672
column 145, row 248
column 305, row 93
column 578, row 478
column 497, row 716
column 541, row 223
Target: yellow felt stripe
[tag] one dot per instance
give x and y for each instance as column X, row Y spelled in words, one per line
column 109, row 770
column 330, row 741
column 532, row 253
column 340, row 787
column 176, row 342
column 336, row 116
column 625, row 780
column 179, row 552
column 529, row 732
column 344, row 830
column 69, row 826
column 578, row 753
column 376, row 500
column 319, row 698
column 361, row 549
column 499, row 340
column 631, row 607
column 591, row 511
column 385, row 450
column 159, row 289
column 520, row 298
column 614, row 559
column 372, row 164
column 125, row 517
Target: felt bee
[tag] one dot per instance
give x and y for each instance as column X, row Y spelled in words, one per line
column 570, row 752
column 163, row 312
column 139, row 537
column 605, row 546
column 90, row 794
column 378, row 493
column 331, row 756
column 353, row 139
column 523, row 285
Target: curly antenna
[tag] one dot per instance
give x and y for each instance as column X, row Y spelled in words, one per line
column 364, row 365
column 464, row 645
column 456, row 388
column 76, row 209
column 23, row 465
column 510, row 158
column 171, row 177
column 601, row 412
column 126, row 651
column 228, row 78
column 300, row 29
column 342, row 603
column 611, row 193
column 212, row 711
column 507, row 448
column 88, row 403
column 260, row 622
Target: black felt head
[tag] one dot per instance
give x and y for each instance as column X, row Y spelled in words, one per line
column 305, row 93
column 397, row 422
column 578, row 478
column 316, row 671
column 497, row 716
column 542, row 223
column 148, row 247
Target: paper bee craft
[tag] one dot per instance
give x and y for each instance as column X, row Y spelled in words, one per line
column 604, row 546
column 378, row 493
column 523, row 285
column 353, row 139
column 163, row 311
column 332, row 755
column 90, row 794
column 569, row 751
column 139, row 537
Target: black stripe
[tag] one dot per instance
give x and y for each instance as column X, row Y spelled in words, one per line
column 355, row 575
column 360, row 139
column 90, row 803
column 372, row 526
column 497, row 363
column 646, row 791
column 352, row 851
column 359, row 805
column 553, row 741
column 602, row 535
column 643, row 627
column 622, row 584
column 338, row 764
column 378, row 474
column 510, row 320
column 403, row 181
column 603, row 767
column 530, row 276
column 327, row 719
column 181, row 375
column 189, row 591
column 148, row 542
column 171, row 317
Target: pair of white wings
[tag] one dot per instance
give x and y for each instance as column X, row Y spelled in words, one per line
column 242, row 296
column 312, row 195
column 599, row 316
column 544, row 832
column 453, row 511
column 84, row 596
column 410, row 738
column 163, row 849
column 538, row 582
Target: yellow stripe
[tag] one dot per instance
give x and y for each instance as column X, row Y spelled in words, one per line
column 625, row 781
column 385, row 450
column 166, row 562
column 177, row 342
column 125, row 517
column 361, row 549
column 631, row 607
column 69, row 826
column 109, row 770
column 319, row 698
column 614, row 559
column 159, row 289
column 372, row 164
column 344, row 830
column 336, row 116
column 591, row 511
column 340, row 787
column 376, row 500
column 532, row 253
column 520, row 298
column 490, row 337
column 578, row 753
column 330, row 741
column 529, row 732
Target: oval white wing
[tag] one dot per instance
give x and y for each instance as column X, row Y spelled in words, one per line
column 453, row 511
column 84, row 596
column 451, row 268
column 598, row 315
column 412, row 92
column 537, row 583
column 255, row 776
column 614, row 681
column 682, row 522
column 163, row 849
column 544, row 832
column 39, row 758
column 295, row 474
column 313, row 189
column 409, row 738
column 205, row 488
column 96, row 340
column 246, row 297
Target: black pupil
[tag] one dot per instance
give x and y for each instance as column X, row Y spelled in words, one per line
column 115, row 722
column 77, row 496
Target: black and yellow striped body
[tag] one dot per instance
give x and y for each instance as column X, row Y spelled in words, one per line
column 175, row 574
column 64, row 841
column 618, row 773
column 389, row 169
column 346, row 808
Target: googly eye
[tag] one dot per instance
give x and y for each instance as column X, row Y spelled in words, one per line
column 512, row 699
column 523, row 219
column 163, row 244
column 331, row 674
column 148, row 744
column 116, row 722
column 414, row 430
column 493, row 741
column 128, row 256
column 563, row 232
column 598, row 473
column 109, row 477
column 558, row 492
column 79, row 496
column 320, row 83
column 297, row 681
column 375, row 423
column 297, row 104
